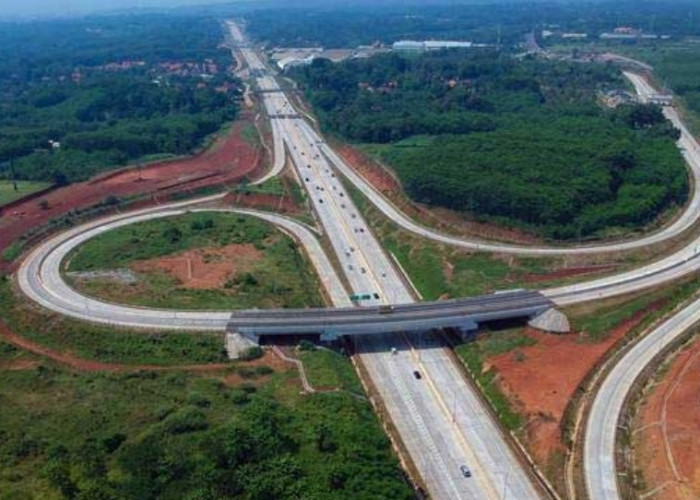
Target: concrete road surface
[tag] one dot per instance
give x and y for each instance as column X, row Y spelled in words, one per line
column 40, row 273
column 437, row 445
column 599, row 445
column 439, row 417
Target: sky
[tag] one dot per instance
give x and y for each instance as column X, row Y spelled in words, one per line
column 43, row 8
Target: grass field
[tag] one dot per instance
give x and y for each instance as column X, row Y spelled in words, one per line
column 278, row 276
column 473, row 355
column 149, row 435
column 438, row 270
column 106, row 344
column 24, row 188
column 329, row 370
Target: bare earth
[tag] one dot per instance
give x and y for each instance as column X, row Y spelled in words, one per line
column 203, row 268
column 230, row 159
column 667, row 436
column 541, row 379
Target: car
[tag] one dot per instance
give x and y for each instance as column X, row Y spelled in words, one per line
column 465, row 471
column 417, row 374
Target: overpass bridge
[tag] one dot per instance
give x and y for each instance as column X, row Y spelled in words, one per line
column 331, row 323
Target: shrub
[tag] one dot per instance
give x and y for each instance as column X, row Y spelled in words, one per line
column 187, row 419
column 255, row 352
column 307, row 345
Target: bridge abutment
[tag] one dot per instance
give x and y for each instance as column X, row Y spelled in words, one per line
column 238, row 343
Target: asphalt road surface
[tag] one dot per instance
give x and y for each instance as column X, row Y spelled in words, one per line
column 437, row 446
column 687, row 144
column 440, row 419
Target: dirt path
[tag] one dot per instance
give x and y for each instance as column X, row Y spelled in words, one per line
column 667, row 431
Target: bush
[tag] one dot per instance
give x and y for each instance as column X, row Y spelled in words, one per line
column 306, row 345
column 255, row 352
column 187, row 419
column 263, row 370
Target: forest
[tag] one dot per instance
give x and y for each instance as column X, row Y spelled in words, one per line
column 521, row 142
column 109, row 91
column 329, row 25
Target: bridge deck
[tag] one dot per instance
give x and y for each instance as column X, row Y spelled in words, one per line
column 362, row 320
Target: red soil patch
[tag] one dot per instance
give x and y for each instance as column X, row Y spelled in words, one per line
column 203, row 268
column 382, row 180
column 230, row 159
column 545, row 379
column 659, row 449
column 565, row 273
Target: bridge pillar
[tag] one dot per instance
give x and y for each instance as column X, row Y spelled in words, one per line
column 237, row 343
column 467, row 328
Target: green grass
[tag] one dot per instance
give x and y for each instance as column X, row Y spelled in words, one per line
column 107, row 344
column 13, row 251
column 439, row 270
column 24, row 188
column 250, row 134
column 597, row 325
column 473, row 354
column 501, row 342
column 154, row 435
column 273, row 186
column 330, row 370
column 282, row 277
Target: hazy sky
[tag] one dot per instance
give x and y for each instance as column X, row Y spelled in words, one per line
column 22, row 8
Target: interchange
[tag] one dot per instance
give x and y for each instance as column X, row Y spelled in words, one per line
column 420, row 401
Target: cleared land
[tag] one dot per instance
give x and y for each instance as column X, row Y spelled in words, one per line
column 196, row 261
column 666, row 447
column 150, row 434
column 228, row 160
column 531, row 377
column 8, row 194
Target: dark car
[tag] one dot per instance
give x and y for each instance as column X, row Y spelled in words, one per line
column 465, row 471
column 417, row 374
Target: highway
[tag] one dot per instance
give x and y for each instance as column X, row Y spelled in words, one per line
column 436, row 444
column 40, row 276
column 687, row 144
column 439, row 417
column 601, row 429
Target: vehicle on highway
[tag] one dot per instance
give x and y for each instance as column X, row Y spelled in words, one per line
column 385, row 309
column 417, row 374
column 465, row 471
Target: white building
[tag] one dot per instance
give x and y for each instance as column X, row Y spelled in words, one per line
column 414, row 46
